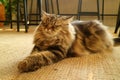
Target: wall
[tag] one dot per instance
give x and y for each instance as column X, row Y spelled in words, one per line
column 70, row 6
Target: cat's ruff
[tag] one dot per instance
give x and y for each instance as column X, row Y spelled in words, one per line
column 72, row 31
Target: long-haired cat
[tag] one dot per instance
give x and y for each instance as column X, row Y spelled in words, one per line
column 58, row 37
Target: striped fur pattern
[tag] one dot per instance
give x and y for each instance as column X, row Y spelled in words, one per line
column 57, row 38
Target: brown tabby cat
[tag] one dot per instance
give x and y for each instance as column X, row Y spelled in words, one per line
column 57, row 37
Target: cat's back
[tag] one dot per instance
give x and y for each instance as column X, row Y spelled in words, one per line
column 77, row 23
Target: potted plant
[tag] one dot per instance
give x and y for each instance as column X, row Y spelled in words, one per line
column 2, row 13
column 8, row 7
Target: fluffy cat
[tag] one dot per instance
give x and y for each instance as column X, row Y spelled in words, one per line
column 58, row 37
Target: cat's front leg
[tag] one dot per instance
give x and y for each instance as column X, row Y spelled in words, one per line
column 30, row 63
column 37, row 60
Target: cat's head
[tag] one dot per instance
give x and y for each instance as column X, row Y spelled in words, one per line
column 51, row 22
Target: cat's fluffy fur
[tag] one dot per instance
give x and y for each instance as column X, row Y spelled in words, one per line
column 57, row 37
column 91, row 37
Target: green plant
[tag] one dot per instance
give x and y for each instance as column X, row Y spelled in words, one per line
column 10, row 7
column 2, row 1
column 5, row 3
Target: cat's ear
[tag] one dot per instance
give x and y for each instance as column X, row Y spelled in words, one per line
column 68, row 18
column 44, row 15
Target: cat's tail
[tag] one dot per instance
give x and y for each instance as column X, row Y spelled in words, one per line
column 116, row 41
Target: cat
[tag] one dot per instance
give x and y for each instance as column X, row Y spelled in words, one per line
column 58, row 37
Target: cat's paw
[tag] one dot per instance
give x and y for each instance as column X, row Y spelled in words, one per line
column 26, row 66
column 22, row 66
